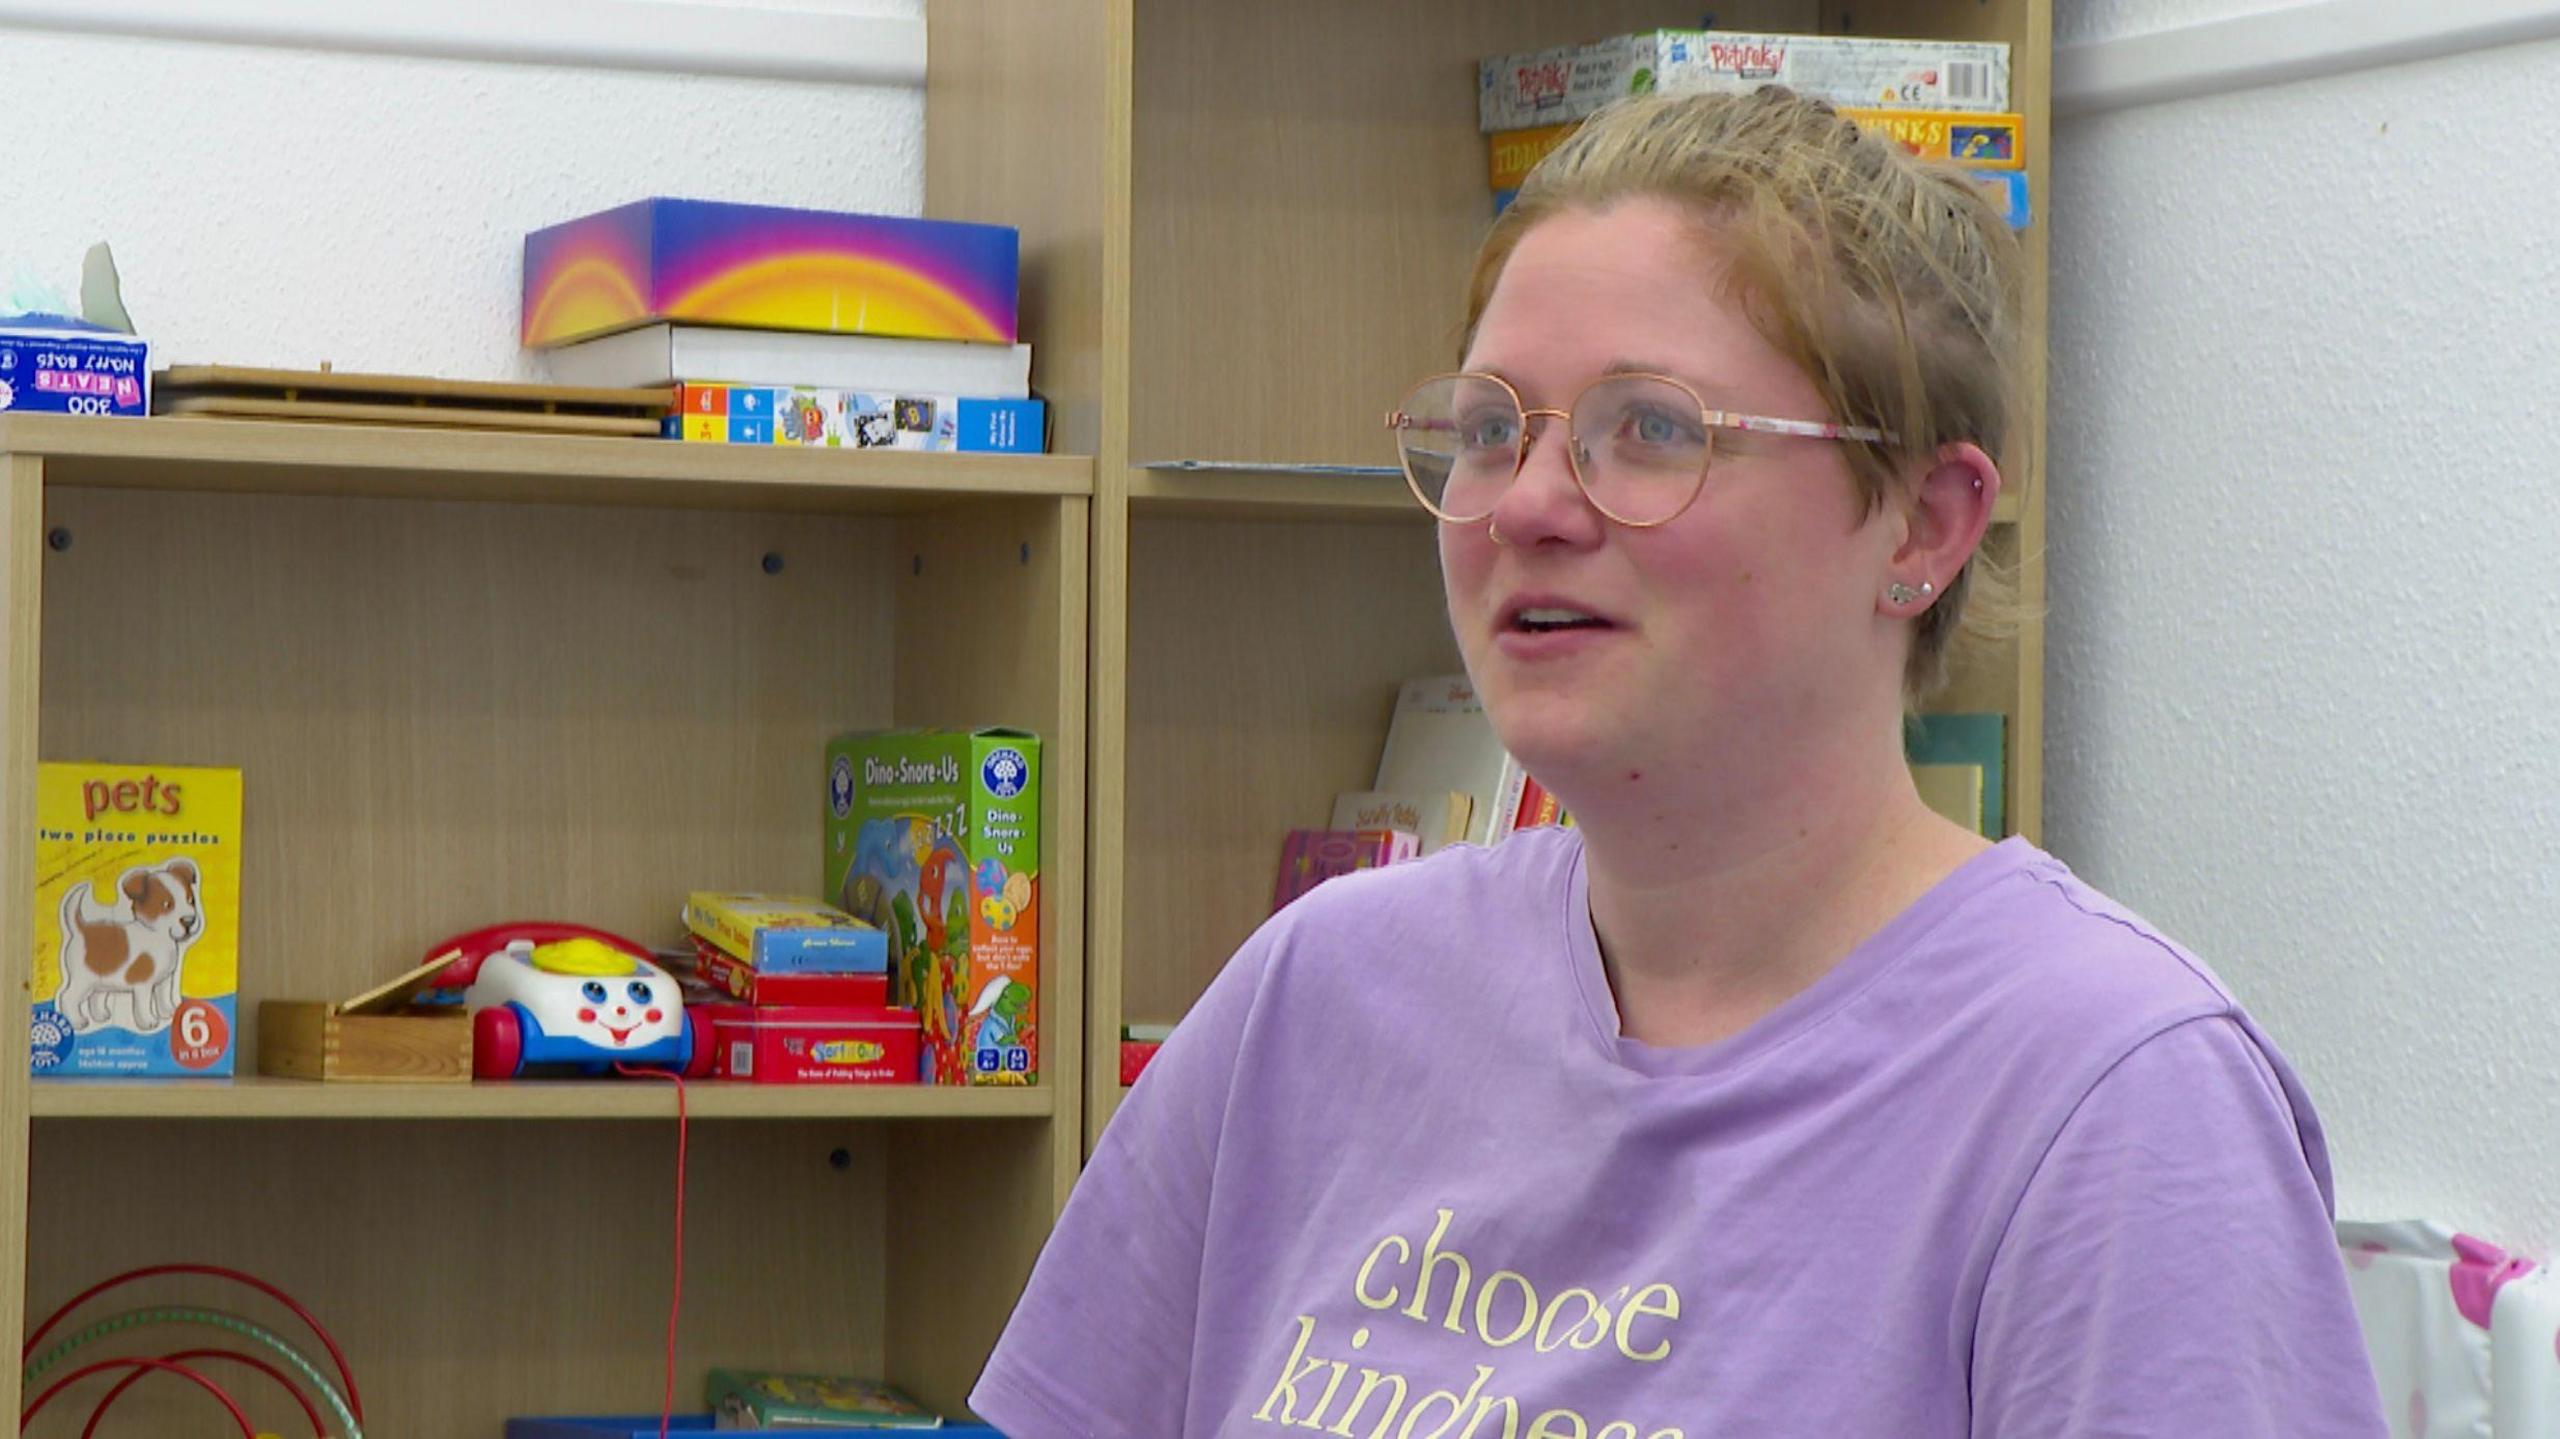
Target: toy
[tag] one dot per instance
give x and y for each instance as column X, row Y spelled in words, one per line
column 564, row 995
column 935, row 837
column 345, row 1408
column 137, row 920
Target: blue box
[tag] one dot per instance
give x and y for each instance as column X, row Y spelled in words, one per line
column 56, row 365
column 645, row 1426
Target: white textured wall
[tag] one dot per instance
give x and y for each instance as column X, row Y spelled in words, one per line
column 273, row 207
column 2305, row 539
column 2075, row 21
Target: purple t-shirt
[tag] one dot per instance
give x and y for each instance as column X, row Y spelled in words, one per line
column 2018, row 1167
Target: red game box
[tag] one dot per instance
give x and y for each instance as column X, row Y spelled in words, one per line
column 815, row 1044
column 740, row 981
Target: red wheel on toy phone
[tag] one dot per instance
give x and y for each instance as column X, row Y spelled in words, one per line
column 497, row 1043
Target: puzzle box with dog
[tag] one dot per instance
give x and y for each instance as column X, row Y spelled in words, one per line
column 137, row 955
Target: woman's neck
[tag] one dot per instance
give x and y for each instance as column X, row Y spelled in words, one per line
column 1712, row 909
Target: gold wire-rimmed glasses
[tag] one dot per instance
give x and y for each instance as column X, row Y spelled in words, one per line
column 1638, row 444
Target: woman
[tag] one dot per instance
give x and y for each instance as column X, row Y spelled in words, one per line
column 1767, row 1102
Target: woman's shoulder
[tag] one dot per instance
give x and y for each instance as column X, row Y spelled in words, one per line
column 2056, row 952
column 1529, row 868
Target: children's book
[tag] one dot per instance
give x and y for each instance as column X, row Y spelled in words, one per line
column 1437, row 819
column 1312, row 856
column 1975, row 740
column 1439, row 740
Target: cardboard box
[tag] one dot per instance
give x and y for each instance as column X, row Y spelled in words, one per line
column 740, row 981
column 856, row 420
column 769, row 267
column 935, row 837
column 137, row 920
column 781, row 934
column 814, row 1045
column 1550, row 87
column 56, row 365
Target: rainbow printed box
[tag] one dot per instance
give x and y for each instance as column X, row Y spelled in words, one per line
column 768, row 267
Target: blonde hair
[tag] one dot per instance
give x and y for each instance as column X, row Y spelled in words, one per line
column 1890, row 282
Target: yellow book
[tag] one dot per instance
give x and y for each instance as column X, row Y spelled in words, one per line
column 137, row 920
column 1953, row 790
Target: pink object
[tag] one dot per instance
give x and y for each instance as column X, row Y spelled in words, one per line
column 2480, row 1269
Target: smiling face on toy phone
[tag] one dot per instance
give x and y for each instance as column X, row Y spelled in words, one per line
column 587, row 989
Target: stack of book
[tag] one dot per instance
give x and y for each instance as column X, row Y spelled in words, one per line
column 792, row 327
column 808, row 992
column 1444, row 778
column 1943, row 100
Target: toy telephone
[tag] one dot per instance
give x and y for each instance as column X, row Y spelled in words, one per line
column 551, row 996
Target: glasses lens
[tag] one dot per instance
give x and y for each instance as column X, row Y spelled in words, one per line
column 1645, row 447
column 1459, row 436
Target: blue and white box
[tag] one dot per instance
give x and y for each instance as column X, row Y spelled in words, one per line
column 56, row 365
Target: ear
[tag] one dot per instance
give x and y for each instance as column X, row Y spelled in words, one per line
column 137, row 885
column 184, row 869
column 1945, row 513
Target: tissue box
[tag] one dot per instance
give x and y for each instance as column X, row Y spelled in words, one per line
column 767, row 267
column 56, row 365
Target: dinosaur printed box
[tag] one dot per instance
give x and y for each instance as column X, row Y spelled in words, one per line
column 934, row 836
column 137, row 930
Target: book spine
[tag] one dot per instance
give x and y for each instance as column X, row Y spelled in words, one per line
column 1506, row 802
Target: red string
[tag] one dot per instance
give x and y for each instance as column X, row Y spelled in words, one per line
column 675, row 1304
column 346, row 1375
column 103, row 1365
column 319, row 1430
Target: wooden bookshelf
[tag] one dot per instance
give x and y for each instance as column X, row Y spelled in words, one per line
column 260, row 1097
column 477, row 677
column 1271, row 245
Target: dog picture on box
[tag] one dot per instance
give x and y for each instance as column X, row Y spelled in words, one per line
column 124, row 957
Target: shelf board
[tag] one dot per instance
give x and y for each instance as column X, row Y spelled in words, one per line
column 1261, row 494
column 1254, row 494
column 260, row 1097
column 246, row 456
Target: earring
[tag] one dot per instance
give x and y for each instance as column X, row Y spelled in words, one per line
column 1899, row 593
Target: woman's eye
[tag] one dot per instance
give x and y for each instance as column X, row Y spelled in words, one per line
column 1489, row 431
column 592, row 991
column 1653, row 427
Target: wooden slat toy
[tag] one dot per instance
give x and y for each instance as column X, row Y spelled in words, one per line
column 339, row 397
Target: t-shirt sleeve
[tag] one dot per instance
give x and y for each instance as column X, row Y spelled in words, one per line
column 1100, row 1343
column 2170, row 1269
